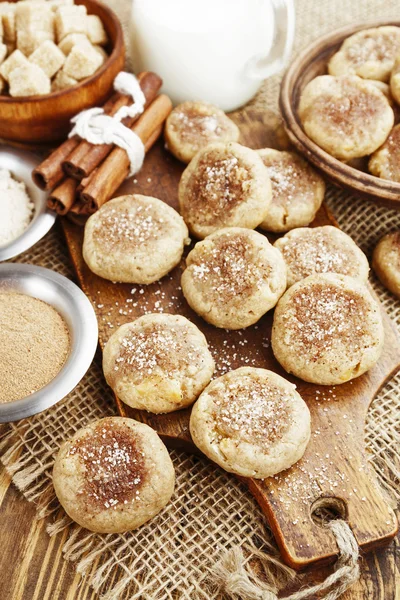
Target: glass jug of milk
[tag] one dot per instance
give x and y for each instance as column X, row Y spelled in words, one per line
column 213, row 50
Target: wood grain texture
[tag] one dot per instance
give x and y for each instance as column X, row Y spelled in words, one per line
column 42, row 119
column 47, row 576
column 334, row 465
column 309, row 64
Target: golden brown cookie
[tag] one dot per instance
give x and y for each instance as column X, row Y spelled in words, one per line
column 313, row 250
column 395, row 80
column 385, row 162
column 297, row 191
column 191, row 126
column 251, row 422
column 159, row 363
column 225, row 185
column 113, row 475
column 370, row 53
column 386, row 262
column 233, row 277
column 134, row 239
column 327, row 329
column 347, row 116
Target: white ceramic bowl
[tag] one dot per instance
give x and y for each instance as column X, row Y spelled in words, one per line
column 78, row 313
column 21, row 165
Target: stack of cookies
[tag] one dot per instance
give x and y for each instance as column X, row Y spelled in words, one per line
column 47, row 46
column 351, row 113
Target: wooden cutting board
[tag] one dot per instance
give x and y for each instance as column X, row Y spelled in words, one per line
column 334, row 470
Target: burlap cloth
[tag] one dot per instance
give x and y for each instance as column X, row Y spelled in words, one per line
column 210, row 511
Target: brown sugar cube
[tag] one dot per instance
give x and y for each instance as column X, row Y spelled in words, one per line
column 102, row 53
column 15, row 60
column 70, row 19
column 3, row 52
column 34, row 16
column 62, row 81
column 95, row 30
column 10, row 48
column 56, row 3
column 7, row 11
column 29, row 80
column 71, row 40
column 28, row 40
column 82, row 62
column 48, row 57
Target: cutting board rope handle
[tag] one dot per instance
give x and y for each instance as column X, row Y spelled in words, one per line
column 235, row 578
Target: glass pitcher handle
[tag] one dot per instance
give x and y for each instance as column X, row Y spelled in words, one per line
column 261, row 67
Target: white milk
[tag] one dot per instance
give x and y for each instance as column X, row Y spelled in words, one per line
column 202, row 48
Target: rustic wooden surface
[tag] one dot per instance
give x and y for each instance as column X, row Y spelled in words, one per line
column 310, row 63
column 32, row 566
column 334, row 467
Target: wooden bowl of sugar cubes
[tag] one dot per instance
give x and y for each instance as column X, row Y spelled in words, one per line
column 57, row 57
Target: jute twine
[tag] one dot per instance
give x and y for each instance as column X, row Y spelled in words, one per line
column 212, row 541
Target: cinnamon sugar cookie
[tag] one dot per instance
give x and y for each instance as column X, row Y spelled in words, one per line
column 327, row 329
column 312, row 250
column 395, row 81
column 348, row 117
column 251, row 422
column 191, row 126
column 369, row 53
column 297, row 190
column 113, row 475
column 385, row 162
column 386, row 262
column 233, row 277
column 158, row 363
column 225, row 185
column 134, row 239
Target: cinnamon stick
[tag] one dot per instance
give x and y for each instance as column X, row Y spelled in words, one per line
column 86, row 157
column 63, row 197
column 50, row 172
column 85, row 181
column 115, row 168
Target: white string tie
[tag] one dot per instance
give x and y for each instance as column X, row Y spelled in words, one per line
column 127, row 83
column 97, row 128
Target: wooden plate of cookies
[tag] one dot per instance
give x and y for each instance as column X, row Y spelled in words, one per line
column 349, row 174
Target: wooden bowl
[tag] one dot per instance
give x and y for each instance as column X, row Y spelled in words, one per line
column 309, row 64
column 45, row 119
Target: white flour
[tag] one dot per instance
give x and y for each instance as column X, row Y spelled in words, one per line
column 16, row 208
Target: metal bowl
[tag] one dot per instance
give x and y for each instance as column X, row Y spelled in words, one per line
column 21, row 165
column 78, row 313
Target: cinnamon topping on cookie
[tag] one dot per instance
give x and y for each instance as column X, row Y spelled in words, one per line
column 135, row 225
column 354, row 107
column 230, row 268
column 191, row 124
column 158, row 347
column 317, row 253
column 325, row 314
column 251, row 410
column 373, row 45
column 217, row 186
column 114, row 466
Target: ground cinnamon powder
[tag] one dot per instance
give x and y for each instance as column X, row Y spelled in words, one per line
column 34, row 345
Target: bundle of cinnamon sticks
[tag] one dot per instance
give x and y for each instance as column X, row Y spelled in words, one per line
column 80, row 176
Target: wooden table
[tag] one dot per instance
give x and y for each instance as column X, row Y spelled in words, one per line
column 32, row 566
